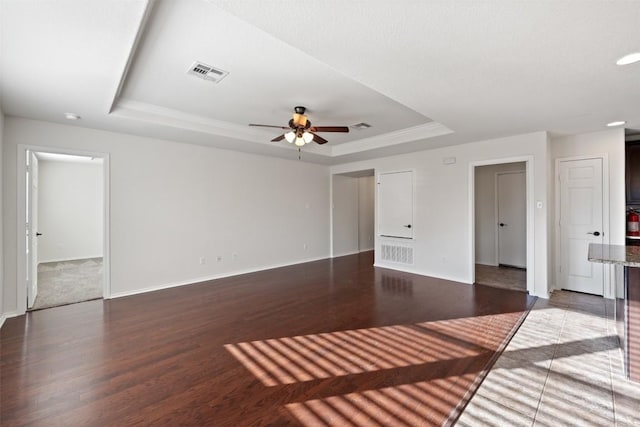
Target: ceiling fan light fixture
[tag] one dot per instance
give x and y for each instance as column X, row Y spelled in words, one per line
column 290, row 136
column 300, row 131
column 308, row 137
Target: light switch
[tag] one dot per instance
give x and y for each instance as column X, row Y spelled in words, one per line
column 539, row 204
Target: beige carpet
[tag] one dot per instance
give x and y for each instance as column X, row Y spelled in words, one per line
column 68, row 282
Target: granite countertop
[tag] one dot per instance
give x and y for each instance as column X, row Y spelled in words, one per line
column 628, row 256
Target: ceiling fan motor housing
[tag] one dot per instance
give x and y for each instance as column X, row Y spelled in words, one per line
column 299, row 122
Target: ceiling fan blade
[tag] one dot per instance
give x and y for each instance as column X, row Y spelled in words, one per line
column 269, row 126
column 319, row 139
column 278, row 138
column 329, row 129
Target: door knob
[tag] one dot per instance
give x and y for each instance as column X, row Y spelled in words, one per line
column 595, row 233
column 502, row 224
column 408, row 225
column 38, row 234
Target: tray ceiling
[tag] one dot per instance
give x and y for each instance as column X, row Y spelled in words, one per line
column 423, row 74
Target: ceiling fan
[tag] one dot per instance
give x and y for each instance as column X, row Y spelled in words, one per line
column 300, row 131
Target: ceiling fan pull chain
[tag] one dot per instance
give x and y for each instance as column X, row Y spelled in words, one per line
column 299, row 154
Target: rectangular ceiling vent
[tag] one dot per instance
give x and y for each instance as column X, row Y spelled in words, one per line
column 361, row 126
column 396, row 253
column 207, row 72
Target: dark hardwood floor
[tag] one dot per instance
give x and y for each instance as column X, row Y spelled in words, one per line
column 332, row 342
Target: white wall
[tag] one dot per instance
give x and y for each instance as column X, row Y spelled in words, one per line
column 485, row 205
column 70, row 210
column 345, row 215
column 2, row 309
column 366, row 210
column 172, row 203
column 443, row 227
column 609, row 143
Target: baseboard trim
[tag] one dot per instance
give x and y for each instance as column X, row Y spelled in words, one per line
column 9, row 315
column 207, row 278
column 422, row 273
column 490, row 264
column 367, row 249
column 40, row 261
column 542, row 295
column 345, row 254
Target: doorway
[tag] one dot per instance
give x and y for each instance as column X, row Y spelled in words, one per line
column 353, row 212
column 500, row 225
column 64, row 255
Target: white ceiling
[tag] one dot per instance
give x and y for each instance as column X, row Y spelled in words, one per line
column 423, row 73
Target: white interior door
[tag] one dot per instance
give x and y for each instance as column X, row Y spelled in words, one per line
column 395, row 204
column 512, row 218
column 580, row 224
column 32, row 230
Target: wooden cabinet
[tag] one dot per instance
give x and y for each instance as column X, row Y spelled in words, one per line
column 630, row 336
column 633, row 172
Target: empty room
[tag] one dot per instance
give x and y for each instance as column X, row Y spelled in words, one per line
column 270, row 213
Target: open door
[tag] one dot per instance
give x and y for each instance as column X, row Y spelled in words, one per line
column 32, row 228
column 512, row 219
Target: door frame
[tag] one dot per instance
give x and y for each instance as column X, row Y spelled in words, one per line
column 497, row 219
column 21, row 293
column 32, row 232
column 358, row 173
column 529, row 169
column 608, row 271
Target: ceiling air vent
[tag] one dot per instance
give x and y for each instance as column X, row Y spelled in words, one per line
column 207, row 72
column 361, row 126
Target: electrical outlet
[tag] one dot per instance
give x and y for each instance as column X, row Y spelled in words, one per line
column 304, row 246
column 202, row 260
column 219, row 258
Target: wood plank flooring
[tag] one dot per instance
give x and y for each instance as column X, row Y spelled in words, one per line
column 332, row 342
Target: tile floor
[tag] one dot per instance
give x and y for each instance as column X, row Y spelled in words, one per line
column 563, row 367
column 502, row 277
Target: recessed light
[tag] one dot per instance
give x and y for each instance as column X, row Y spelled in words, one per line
column 71, row 116
column 618, row 123
column 629, row 59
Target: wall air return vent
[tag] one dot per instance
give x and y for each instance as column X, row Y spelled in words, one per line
column 207, row 72
column 396, row 253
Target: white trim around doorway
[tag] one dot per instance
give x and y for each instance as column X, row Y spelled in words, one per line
column 528, row 160
column 21, row 260
column 609, row 273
